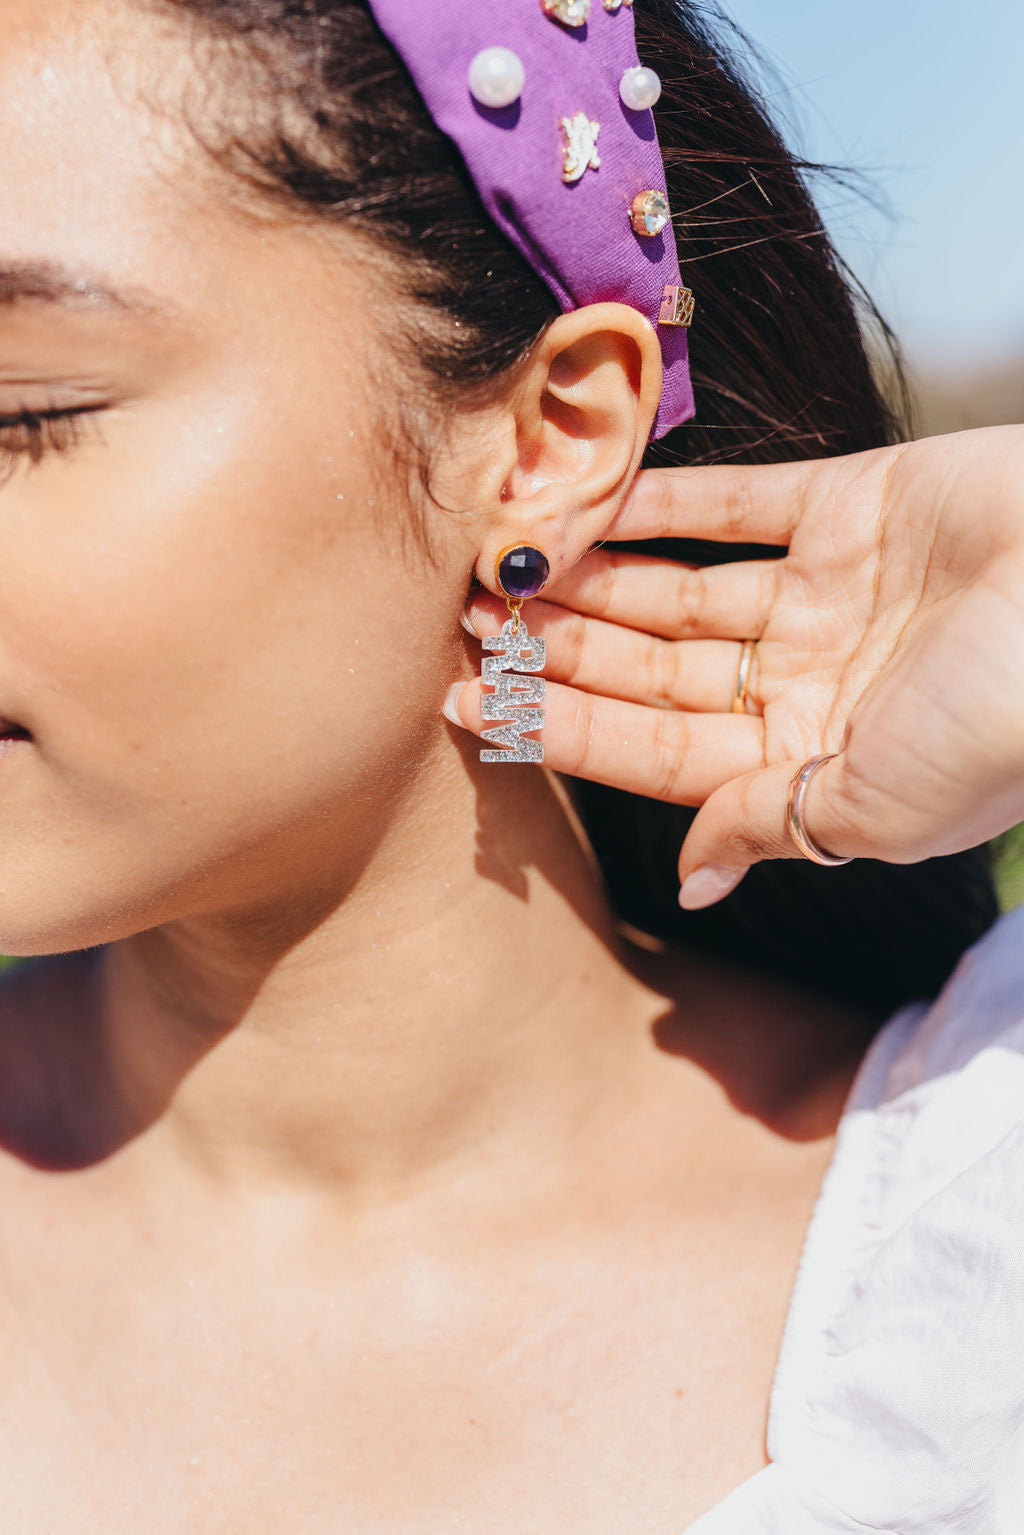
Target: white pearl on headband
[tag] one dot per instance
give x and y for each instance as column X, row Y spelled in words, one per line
column 639, row 88
column 496, row 77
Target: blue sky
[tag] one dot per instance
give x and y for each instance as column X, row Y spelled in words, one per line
column 928, row 99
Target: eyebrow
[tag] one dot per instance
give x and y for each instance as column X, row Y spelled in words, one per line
column 48, row 282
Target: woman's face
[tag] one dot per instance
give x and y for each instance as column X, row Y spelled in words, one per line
column 210, row 620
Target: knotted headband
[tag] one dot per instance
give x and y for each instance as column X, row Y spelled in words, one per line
column 569, row 172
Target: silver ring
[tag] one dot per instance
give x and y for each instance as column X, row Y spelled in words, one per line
column 794, row 813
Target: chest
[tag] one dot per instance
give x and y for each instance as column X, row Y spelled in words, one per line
column 560, row 1384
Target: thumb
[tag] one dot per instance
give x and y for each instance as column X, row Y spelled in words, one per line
column 746, row 821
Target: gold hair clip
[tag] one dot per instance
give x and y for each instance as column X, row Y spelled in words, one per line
column 676, row 306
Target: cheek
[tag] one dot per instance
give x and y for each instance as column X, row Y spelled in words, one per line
column 213, row 641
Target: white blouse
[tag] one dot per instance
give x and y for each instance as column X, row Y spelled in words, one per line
column 898, row 1398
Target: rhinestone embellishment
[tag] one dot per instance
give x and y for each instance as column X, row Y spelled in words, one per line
column 616, row 5
column 574, row 13
column 649, row 213
column 514, row 695
column 579, row 152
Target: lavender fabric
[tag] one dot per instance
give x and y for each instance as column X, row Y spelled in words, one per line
column 577, row 235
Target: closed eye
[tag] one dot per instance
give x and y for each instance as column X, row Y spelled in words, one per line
column 35, row 433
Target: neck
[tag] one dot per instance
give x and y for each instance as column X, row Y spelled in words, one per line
column 464, row 995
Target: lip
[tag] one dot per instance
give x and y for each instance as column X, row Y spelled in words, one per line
column 10, row 732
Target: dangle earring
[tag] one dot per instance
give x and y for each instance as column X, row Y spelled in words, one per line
column 520, row 571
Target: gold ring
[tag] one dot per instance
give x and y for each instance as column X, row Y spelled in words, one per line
column 739, row 701
column 794, row 813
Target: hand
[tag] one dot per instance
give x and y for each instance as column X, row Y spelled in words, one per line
column 891, row 633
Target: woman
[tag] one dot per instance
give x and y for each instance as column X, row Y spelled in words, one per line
column 360, row 1172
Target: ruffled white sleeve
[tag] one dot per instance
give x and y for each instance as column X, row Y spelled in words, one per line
column 898, row 1399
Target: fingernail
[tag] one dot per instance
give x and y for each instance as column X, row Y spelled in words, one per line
column 466, row 621
column 708, row 884
column 448, row 708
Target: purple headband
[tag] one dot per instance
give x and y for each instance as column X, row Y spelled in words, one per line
column 534, row 94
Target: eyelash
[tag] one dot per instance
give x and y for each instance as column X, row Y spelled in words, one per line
column 41, row 432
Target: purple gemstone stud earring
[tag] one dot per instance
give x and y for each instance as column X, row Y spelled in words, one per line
column 521, row 572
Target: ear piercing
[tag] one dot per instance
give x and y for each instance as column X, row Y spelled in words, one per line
column 520, row 571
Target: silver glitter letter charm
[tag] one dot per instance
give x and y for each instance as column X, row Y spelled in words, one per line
column 513, row 693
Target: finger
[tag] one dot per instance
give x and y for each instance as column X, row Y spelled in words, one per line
column 624, row 663
column 745, row 821
column 665, row 597
column 659, row 753
column 760, row 503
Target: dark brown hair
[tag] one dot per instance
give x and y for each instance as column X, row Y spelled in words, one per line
column 319, row 119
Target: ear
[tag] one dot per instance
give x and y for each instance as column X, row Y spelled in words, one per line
column 568, row 441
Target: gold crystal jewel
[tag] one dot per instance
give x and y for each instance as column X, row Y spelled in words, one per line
column 616, row 5
column 572, row 13
column 676, row 306
column 579, row 152
column 649, row 213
